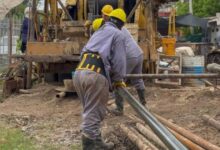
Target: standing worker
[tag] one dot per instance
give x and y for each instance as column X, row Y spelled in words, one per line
column 134, row 58
column 97, row 23
column 24, row 29
column 103, row 64
column 106, row 10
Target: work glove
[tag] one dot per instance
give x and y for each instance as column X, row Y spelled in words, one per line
column 119, row 84
column 88, row 23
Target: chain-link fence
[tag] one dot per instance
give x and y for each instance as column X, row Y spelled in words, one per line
column 4, row 39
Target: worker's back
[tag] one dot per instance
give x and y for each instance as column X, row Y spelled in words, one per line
column 132, row 48
column 108, row 41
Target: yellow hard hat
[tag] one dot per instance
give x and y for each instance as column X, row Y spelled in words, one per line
column 119, row 14
column 96, row 24
column 107, row 9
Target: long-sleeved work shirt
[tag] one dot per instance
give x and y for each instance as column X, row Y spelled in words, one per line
column 132, row 48
column 109, row 42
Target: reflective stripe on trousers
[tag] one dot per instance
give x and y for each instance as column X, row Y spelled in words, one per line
column 93, row 90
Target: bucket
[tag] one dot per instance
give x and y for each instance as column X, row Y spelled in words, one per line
column 193, row 65
column 169, row 46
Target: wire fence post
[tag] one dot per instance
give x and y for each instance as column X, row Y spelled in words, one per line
column 10, row 38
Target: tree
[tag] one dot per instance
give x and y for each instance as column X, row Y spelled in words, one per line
column 201, row 8
column 182, row 8
column 18, row 11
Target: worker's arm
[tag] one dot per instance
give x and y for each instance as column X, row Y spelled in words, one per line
column 118, row 58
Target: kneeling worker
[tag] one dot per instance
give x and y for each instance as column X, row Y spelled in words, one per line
column 103, row 64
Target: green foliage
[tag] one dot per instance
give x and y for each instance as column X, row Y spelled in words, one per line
column 182, row 8
column 76, row 147
column 206, row 8
column 18, row 45
column 19, row 10
column 201, row 8
column 14, row 139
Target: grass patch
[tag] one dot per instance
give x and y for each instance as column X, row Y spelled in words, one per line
column 14, row 139
column 76, row 147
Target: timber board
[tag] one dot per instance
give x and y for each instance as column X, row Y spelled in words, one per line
column 53, row 48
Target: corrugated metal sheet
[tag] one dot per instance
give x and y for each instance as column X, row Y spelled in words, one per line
column 7, row 5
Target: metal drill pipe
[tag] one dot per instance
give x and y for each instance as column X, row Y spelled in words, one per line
column 169, row 140
column 169, row 76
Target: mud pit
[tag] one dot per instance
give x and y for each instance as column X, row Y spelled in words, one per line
column 57, row 122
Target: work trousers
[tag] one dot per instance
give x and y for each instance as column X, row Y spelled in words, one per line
column 134, row 66
column 93, row 90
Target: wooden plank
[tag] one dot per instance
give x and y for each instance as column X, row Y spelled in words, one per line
column 53, row 48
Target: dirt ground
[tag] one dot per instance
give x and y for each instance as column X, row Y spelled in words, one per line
column 57, row 122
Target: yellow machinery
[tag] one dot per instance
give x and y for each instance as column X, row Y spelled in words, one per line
column 59, row 37
column 55, row 41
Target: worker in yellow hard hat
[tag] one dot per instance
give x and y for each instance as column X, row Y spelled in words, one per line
column 118, row 17
column 97, row 23
column 102, row 68
column 106, row 10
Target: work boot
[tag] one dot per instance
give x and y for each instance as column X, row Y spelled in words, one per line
column 101, row 145
column 87, row 143
column 141, row 95
column 95, row 144
column 118, row 111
